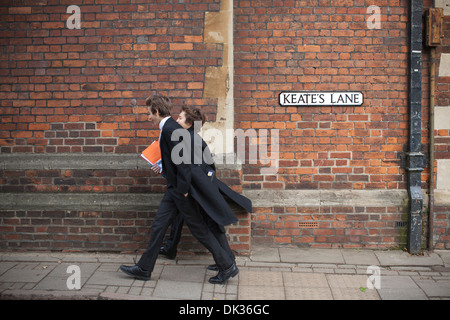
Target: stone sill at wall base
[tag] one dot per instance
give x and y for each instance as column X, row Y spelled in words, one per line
column 121, row 222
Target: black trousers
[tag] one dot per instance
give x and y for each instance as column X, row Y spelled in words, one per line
column 172, row 204
column 176, row 229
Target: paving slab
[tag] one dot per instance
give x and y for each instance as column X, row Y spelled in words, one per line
column 397, row 282
column 26, row 272
column 269, row 265
column 260, row 278
column 228, row 291
column 265, row 254
column 271, row 273
column 434, row 288
column 347, row 281
column 123, row 296
column 305, row 280
column 57, row 278
column 298, row 293
column 183, row 273
column 360, row 257
column 79, row 258
column 445, row 256
column 401, row 258
column 178, row 290
column 261, row 292
column 402, row 294
column 111, row 279
column 6, row 265
column 354, row 294
column 193, row 261
column 30, row 256
column 115, row 258
column 302, row 255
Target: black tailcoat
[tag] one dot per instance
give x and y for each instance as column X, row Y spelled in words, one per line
column 207, row 190
column 178, row 176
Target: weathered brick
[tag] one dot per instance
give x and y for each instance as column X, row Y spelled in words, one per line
column 83, row 91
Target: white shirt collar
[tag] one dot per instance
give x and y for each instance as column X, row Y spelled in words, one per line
column 163, row 121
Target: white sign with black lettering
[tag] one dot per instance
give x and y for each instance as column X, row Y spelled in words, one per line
column 302, row 98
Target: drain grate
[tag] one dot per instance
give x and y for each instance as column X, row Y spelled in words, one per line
column 401, row 224
column 308, row 224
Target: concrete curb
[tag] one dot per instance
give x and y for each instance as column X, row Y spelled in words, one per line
column 47, row 295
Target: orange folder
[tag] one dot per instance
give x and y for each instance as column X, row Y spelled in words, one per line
column 152, row 154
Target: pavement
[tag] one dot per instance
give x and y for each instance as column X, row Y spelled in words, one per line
column 269, row 273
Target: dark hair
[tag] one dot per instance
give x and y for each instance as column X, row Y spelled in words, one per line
column 193, row 114
column 159, row 103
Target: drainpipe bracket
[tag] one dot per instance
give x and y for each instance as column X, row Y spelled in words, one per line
column 415, row 161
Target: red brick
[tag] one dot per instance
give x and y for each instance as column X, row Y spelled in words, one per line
column 19, row 10
column 181, row 46
column 101, row 80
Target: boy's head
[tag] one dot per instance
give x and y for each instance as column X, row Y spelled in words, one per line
column 160, row 104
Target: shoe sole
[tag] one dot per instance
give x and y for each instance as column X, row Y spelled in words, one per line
column 135, row 276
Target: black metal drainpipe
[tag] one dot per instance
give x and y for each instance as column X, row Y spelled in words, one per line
column 415, row 158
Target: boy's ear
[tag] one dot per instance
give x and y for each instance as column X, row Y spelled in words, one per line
column 155, row 114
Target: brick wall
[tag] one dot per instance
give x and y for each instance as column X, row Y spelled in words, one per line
column 82, row 91
column 327, row 46
column 67, row 92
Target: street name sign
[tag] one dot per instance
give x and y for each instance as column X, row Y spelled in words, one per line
column 303, row 98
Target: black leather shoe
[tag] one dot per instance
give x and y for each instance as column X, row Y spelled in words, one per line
column 137, row 272
column 213, row 267
column 164, row 252
column 223, row 276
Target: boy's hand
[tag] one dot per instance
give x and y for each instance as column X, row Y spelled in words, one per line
column 156, row 169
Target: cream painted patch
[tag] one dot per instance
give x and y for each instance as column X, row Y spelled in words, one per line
column 444, row 65
column 443, row 172
column 443, row 4
column 441, row 118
